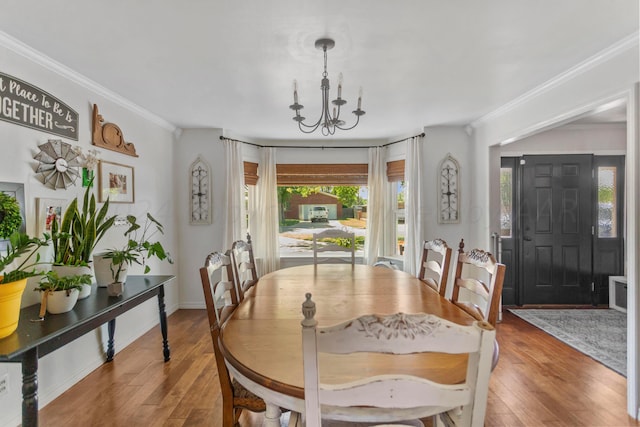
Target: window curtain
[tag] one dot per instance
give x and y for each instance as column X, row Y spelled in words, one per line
column 235, row 211
column 413, row 204
column 374, row 235
column 265, row 242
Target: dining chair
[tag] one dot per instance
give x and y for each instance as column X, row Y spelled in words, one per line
column 235, row 397
column 244, row 266
column 334, row 240
column 434, row 264
column 393, row 397
column 478, row 280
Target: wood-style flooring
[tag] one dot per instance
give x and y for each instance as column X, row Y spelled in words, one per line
column 539, row 381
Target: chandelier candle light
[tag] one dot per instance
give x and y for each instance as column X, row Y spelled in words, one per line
column 328, row 122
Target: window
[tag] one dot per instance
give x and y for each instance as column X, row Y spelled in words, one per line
column 506, row 202
column 305, row 210
column 399, row 195
column 607, row 202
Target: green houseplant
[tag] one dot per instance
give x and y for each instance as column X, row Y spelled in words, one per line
column 10, row 217
column 138, row 249
column 79, row 233
column 20, row 249
column 60, row 294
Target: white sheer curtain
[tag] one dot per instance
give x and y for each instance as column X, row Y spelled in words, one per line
column 265, row 242
column 235, row 212
column 374, row 236
column 413, row 204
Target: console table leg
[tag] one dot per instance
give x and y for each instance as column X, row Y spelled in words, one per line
column 30, row 388
column 111, row 327
column 163, row 325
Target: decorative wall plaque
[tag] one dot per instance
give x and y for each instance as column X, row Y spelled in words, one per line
column 27, row 105
column 200, row 192
column 449, row 191
column 109, row 136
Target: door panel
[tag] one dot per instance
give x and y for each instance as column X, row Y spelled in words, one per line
column 556, row 229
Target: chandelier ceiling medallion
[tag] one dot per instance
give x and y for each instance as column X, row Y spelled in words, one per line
column 328, row 121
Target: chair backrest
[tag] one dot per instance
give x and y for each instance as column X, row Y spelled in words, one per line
column 478, row 280
column 221, row 300
column 244, row 266
column 398, row 396
column 219, row 285
column 334, row 240
column 434, row 264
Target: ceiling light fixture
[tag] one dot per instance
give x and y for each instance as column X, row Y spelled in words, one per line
column 328, row 122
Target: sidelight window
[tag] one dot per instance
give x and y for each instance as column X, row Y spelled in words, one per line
column 607, row 202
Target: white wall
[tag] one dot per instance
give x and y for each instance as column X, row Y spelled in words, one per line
column 440, row 140
column 154, row 192
column 197, row 241
column 598, row 139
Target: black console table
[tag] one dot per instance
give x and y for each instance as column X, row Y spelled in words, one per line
column 33, row 340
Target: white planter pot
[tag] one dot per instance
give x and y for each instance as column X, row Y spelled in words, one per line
column 101, row 270
column 74, row 270
column 61, row 302
column 102, row 267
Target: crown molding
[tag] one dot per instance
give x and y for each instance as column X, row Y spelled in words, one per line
column 43, row 60
column 627, row 43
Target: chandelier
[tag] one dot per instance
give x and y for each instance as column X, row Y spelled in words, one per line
column 328, row 121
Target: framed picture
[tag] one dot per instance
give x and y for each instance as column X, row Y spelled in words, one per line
column 115, row 182
column 49, row 210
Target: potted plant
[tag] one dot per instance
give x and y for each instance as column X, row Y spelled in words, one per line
column 138, row 249
column 60, row 294
column 20, row 249
column 77, row 236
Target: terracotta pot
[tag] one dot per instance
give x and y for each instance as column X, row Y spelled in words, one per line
column 10, row 298
column 115, row 289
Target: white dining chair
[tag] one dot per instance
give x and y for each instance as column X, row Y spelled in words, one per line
column 244, row 266
column 434, row 264
column 333, row 240
column 477, row 284
column 395, row 397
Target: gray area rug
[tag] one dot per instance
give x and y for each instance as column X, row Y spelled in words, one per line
column 598, row 333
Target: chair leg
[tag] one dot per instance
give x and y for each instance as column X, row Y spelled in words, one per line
column 228, row 413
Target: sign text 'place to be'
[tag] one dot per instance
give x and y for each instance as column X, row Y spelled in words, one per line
column 27, row 105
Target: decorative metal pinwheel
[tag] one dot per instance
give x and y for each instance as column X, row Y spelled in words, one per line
column 59, row 164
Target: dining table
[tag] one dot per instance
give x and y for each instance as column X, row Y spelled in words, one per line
column 262, row 340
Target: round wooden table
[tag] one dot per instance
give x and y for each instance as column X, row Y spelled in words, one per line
column 262, row 341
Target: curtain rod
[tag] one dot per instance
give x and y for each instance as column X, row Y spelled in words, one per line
column 321, row 147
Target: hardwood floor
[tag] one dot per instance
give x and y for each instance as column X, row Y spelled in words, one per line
column 539, row 381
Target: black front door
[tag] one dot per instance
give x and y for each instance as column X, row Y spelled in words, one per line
column 556, row 220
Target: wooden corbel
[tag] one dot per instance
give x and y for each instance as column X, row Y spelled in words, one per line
column 109, row 136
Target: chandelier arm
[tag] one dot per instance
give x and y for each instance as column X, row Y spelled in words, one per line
column 349, row 128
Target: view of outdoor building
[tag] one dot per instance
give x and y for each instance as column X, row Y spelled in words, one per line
column 308, row 210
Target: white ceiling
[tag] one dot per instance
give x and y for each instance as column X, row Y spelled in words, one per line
column 230, row 64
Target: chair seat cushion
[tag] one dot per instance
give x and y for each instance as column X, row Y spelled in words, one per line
column 243, row 398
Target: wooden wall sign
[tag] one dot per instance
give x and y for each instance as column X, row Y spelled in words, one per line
column 27, row 105
column 109, row 136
